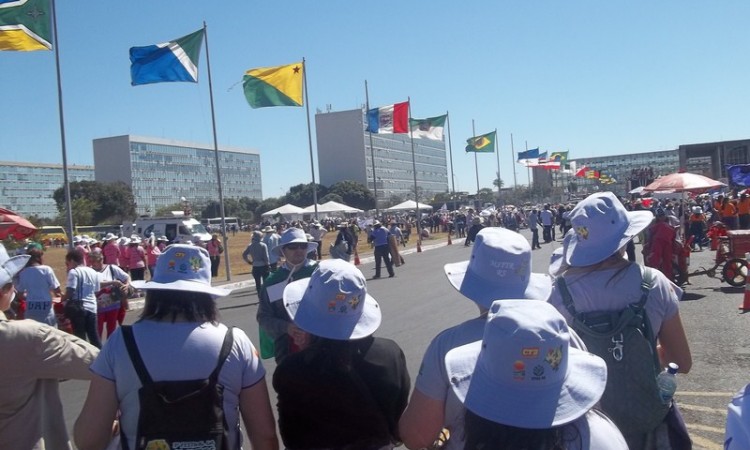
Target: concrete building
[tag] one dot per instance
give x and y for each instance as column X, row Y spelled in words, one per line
column 27, row 188
column 160, row 171
column 344, row 154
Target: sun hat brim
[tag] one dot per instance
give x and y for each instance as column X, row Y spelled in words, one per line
column 181, row 285
column 484, row 294
column 578, row 254
column 331, row 326
column 510, row 404
column 311, row 246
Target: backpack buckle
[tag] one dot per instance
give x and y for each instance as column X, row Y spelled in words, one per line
column 616, row 350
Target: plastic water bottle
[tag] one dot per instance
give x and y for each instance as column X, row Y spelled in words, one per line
column 667, row 382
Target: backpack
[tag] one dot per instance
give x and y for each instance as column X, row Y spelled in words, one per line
column 179, row 414
column 626, row 342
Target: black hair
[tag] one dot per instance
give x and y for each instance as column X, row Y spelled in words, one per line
column 163, row 305
column 484, row 434
column 74, row 255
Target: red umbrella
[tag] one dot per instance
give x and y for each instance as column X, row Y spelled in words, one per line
column 15, row 226
column 684, row 182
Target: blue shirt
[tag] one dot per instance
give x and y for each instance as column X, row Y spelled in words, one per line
column 379, row 236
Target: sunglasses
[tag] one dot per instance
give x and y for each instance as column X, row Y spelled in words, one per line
column 296, row 246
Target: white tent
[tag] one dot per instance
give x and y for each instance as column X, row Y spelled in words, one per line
column 288, row 211
column 332, row 207
column 410, row 205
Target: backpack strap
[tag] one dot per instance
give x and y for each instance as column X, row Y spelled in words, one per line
column 226, row 347
column 135, row 355
column 565, row 294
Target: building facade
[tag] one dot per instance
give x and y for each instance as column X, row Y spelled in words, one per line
column 344, row 153
column 27, row 188
column 161, row 171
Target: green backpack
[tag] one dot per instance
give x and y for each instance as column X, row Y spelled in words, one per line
column 626, row 342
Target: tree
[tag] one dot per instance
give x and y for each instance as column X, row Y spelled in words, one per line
column 267, row 205
column 83, row 212
column 302, row 194
column 486, row 195
column 110, row 202
column 498, row 182
column 353, row 194
column 331, row 197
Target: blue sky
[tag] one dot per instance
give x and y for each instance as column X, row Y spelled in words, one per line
column 591, row 77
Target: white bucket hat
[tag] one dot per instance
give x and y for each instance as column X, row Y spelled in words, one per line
column 182, row 267
column 333, row 303
column 500, row 267
column 291, row 236
column 602, row 226
column 109, row 237
column 9, row 267
column 523, row 373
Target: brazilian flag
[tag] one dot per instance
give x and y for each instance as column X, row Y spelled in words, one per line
column 25, row 25
column 482, row 144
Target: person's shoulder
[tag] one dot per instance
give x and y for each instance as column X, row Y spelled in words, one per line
column 276, row 277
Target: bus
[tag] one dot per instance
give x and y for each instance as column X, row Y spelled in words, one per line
column 98, row 231
column 214, row 223
column 52, row 236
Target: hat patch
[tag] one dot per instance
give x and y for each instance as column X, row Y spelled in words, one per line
column 339, row 304
column 554, row 357
column 582, row 231
column 519, row 370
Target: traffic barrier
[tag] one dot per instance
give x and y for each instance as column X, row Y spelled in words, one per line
column 746, row 301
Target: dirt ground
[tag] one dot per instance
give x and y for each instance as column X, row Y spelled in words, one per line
column 55, row 257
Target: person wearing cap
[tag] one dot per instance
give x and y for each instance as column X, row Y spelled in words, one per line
column 524, row 386
column 123, row 245
column 271, row 239
column 697, row 227
column 80, row 244
column 111, row 250
column 256, row 254
column 347, row 388
column 108, row 306
column 38, row 284
column 80, row 297
column 600, row 279
column 379, row 236
column 499, row 268
column 152, row 254
column 343, row 245
column 275, row 324
column 317, row 232
column 179, row 337
column 137, row 260
column 36, row 357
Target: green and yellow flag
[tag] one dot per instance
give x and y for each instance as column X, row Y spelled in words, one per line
column 274, row 86
column 25, row 25
column 482, row 144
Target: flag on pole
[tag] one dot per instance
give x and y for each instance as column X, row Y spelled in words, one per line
column 25, row 25
column 580, row 173
column 274, row 86
column 389, row 119
column 484, row 143
column 739, row 174
column 171, row 61
column 429, row 128
column 528, row 157
column 538, row 161
column 558, row 156
column 592, row 174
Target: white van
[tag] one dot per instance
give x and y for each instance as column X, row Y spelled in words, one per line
column 176, row 229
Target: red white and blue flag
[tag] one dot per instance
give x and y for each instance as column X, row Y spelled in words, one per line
column 389, row 119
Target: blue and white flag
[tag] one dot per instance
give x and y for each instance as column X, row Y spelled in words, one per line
column 528, row 157
column 171, row 61
column 739, row 174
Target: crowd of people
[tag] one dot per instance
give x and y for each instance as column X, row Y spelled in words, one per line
column 518, row 375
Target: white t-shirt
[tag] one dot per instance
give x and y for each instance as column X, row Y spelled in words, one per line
column 737, row 434
column 86, row 280
column 37, row 282
column 433, row 381
column 179, row 351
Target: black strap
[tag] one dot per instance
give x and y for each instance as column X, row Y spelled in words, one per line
column 140, row 367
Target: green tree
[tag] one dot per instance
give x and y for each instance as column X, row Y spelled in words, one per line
column 486, row 195
column 110, row 202
column 83, row 212
column 302, row 194
column 353, row 194
column 331, row 197
column 498, row 182
column 267, row 205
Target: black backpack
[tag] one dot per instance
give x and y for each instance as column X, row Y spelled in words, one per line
column 179, row 414
column 626, row 342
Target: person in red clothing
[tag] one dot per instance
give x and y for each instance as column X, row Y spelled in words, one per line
column 658, row 251
column 215, row 249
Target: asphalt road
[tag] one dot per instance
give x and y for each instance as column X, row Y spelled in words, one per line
column 419, row 302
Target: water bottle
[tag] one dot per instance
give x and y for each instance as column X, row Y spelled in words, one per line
column 667, row 382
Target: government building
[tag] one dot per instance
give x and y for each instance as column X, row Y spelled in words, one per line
column 161, row 171
column 344, row 153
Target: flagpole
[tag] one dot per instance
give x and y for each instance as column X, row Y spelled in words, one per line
column 216, row 156
column 450, row 153
column 416, row 192
column 513, row 161
column 372, row 151
column 476, row 165
column 66, row 184
column 528, row 170
column 497, row 154
column 309, row 141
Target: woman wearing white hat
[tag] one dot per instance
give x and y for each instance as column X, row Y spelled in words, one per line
column 524, row 386
column 279, row 336
column 347, row 389
column 35, row 357
column 178, row 337
column 599, row 278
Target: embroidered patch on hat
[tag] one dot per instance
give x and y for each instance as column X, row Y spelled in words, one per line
column 554, row 357
column 583, row 232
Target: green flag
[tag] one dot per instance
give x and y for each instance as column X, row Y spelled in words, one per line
column 26, row 25
column 482, row 144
